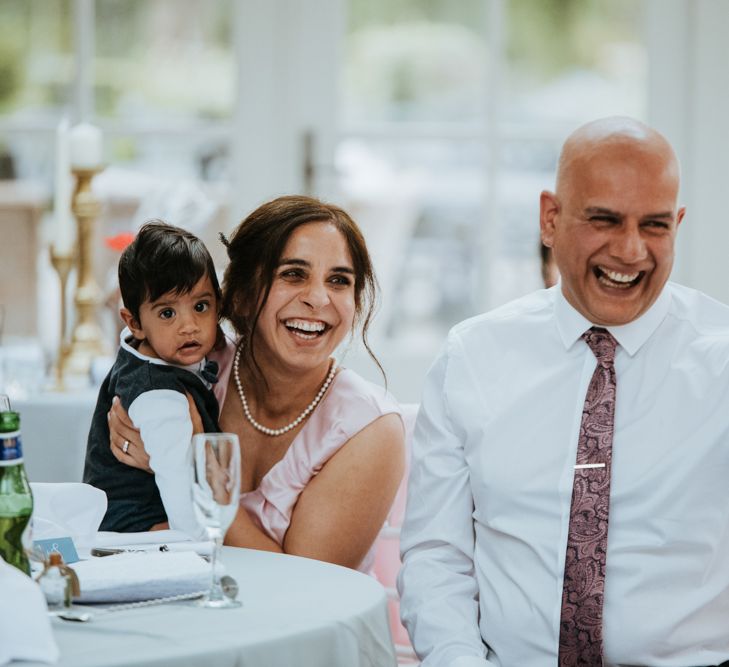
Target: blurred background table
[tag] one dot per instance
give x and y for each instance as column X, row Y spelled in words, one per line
column 54, row 429
column 296, row 611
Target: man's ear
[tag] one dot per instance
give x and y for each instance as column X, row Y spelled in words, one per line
column 548, row 212
column 134, row 326
column 679, row 215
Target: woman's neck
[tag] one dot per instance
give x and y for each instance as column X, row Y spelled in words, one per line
column 281, row 392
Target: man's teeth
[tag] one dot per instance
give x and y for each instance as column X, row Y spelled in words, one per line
column 620, row 277
column 303, row 325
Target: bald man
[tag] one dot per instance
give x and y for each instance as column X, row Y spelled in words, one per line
column 601, row 402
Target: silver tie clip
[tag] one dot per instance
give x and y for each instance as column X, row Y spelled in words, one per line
column 581, row 466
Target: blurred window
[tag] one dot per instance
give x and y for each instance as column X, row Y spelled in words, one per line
column 570, row 61
column 159, row 76
column 453, row 116
column 413, row 61
column 164, row 61
column 36, row 57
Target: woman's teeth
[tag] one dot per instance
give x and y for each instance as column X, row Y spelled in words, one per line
column 304, row 329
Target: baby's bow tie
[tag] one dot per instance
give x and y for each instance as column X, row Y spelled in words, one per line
column 209, row 372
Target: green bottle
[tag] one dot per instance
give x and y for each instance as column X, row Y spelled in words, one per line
column 16, row 500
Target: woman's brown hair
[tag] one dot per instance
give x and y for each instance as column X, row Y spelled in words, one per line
column 255, row 248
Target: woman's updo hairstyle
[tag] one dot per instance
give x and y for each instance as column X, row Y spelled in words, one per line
column 255, row 248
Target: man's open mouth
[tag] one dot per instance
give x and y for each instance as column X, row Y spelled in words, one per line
column 306, row 329
column 190, row 345
column 617, row 280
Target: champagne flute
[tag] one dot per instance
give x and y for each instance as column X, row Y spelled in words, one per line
column 215, row 494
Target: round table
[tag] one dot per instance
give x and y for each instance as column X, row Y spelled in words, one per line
column 296, row 611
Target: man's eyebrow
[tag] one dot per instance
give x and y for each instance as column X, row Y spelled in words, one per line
column 292, row 261
column 599, row 210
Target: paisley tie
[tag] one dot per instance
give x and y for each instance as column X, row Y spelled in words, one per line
column 580, row 638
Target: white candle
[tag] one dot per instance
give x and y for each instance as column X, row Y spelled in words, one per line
column 86, row 146
column 64, row 226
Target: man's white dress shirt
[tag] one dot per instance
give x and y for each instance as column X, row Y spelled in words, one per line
column 489, row 495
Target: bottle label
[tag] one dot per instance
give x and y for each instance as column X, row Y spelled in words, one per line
column 11, row 450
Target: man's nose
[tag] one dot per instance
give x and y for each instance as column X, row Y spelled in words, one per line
column 629, row 245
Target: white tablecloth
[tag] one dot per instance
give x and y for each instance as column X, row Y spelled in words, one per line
column 296, row 611
column 54, row 428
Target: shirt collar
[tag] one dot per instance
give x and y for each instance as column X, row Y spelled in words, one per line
column 125, row 342
column 631, row 337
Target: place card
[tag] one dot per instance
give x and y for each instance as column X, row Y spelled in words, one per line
column 62, row 545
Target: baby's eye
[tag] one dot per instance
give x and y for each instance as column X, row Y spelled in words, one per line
column 166, row 313
column 201, row 306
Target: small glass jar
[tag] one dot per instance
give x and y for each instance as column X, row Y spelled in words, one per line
column 56, row 584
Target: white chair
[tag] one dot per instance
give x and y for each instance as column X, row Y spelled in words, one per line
column 387, row 550
column 68, row 509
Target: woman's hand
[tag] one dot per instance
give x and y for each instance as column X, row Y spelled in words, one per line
column 126, row 441
column 124, row 438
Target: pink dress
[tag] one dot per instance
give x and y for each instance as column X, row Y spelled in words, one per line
column 350, row 404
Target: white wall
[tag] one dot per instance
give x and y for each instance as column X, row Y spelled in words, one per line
column 280, row 43
column 688, row 48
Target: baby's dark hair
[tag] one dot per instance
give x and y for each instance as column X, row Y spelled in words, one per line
column 163, row 258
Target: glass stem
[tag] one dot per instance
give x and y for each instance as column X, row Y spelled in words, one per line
column 216, row 593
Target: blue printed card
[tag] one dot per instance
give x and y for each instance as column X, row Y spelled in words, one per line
column 63, row 545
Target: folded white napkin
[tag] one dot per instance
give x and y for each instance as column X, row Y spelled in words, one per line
column 25, row 628
column 67, row 510
column 130, row 577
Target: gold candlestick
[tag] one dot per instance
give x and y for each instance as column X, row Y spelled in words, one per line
column 87, row 341
column 62, row 263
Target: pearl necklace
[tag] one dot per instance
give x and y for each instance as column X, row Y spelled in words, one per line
column 298, row 420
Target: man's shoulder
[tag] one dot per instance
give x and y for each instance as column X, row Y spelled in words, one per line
column 701, row 312
column 532, row 309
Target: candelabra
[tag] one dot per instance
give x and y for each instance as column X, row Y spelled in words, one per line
column 86, row 340
column 62, row 262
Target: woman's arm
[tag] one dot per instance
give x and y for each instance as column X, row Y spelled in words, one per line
column 122, row 430
column 340, row 512
column 343, row 508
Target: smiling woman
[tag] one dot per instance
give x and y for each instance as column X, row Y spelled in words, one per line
column 322, row 449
